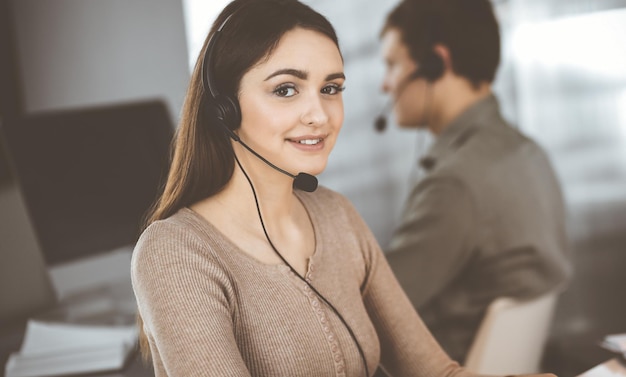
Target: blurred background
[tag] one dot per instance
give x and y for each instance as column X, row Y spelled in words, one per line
column 97, row 86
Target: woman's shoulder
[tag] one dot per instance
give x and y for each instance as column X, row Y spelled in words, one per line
column 176, row 227
column 173, row 254
column 166, row 240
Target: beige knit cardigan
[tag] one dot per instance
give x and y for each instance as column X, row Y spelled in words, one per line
column 211, row 309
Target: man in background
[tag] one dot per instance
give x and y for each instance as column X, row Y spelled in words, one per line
column 487, row 219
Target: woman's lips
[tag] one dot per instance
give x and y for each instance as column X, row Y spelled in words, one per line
column 308, row 143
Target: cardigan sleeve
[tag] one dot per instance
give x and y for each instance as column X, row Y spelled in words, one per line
column 184, row 298
column 407, row 347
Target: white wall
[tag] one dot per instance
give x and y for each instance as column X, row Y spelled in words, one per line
column 199, row 16
column 75, row 53
column 567, row 66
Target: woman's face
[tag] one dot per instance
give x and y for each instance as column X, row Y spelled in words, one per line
column 291, row 103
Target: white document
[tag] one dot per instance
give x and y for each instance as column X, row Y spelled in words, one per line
column 51, row 349
column 610, row 368
column 615, row 343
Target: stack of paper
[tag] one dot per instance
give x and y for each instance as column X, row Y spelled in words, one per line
column 91, row 329
column 53, row 349
column 610, row 368
column 615, row 367
column 615, row 343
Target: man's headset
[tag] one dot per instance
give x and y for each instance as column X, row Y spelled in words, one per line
column 431, row 68
column 228, row 113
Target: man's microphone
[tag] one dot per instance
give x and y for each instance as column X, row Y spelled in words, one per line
column 380, row 124
column 302, row 181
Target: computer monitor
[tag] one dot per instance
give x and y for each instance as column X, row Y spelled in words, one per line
column 90, row 175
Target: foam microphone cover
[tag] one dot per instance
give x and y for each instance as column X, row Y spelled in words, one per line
column 381, row 123
column 305, row 182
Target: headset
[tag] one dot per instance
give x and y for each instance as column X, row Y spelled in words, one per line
column 431, row 65
column 431, row 68
column 224, row 108
column 228, row 114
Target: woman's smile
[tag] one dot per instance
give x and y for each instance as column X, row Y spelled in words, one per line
column 292, row 104
column 308, row 143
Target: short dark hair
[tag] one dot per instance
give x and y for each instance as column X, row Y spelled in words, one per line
column 468, row 28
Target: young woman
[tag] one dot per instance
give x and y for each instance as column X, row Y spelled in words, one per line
column 240, row 273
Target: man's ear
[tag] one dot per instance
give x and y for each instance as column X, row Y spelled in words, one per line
column 444, row 54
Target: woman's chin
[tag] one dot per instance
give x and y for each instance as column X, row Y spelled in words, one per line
column 313, row 170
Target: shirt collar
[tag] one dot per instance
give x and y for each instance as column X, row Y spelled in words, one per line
column 481, row 113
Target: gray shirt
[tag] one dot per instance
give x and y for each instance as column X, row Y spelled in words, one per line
column 487, row 220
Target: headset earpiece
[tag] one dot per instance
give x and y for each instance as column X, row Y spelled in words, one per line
column 431, row 67
column 225, row 108
column 431, row 64
column 227, row 113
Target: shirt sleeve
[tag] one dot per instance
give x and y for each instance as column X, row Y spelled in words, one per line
column 185, row 302
column 407, row 347
column 435, row 238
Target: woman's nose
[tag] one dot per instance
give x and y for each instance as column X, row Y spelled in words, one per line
column 315, row 114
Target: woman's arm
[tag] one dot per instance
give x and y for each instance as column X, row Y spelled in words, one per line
column 183, row 298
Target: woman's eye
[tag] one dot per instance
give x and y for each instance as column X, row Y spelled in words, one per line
column 285, row 91
column 332, row 89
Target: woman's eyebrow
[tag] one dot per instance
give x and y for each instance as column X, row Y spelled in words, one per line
column 333, row 76
column 303, row 75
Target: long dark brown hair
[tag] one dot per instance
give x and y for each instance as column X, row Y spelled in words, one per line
column 202, row 161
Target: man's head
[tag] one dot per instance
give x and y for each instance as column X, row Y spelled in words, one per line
column 435, row 48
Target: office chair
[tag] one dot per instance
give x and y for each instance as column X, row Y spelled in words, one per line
column 512, row 336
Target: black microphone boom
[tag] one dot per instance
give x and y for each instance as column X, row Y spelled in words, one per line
column 302, row 181
column 380, row 124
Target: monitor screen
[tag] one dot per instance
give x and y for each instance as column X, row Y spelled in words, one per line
column 90, row 175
